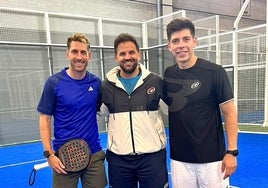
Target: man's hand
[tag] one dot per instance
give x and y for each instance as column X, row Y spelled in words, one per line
column 55, row 163
column 229, row 165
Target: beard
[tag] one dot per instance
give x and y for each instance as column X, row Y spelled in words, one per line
column 129, row 69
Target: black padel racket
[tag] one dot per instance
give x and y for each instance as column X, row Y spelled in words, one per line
column 75, row 155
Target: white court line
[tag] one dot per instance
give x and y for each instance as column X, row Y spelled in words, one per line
column 40, row 160
column 17, row 164
column 43, row 160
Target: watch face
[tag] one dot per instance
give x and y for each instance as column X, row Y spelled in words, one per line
column 46, row 154
column 233, row 152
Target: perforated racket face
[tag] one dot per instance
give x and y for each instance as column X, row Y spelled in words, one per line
column 75, row 155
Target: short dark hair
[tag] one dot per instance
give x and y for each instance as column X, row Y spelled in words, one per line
column 125, row 37
column 80, row 37
column 180, row 24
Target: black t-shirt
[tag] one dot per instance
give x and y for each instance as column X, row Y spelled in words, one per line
column 195, row 123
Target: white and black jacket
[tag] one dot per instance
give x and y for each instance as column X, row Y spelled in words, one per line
column 135, row 125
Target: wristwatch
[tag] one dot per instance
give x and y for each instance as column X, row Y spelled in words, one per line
column 233, row 152
column 47, row 153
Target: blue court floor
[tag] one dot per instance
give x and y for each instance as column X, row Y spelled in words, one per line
column 17, row 161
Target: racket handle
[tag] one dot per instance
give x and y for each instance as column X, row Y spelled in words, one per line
column 41, row 165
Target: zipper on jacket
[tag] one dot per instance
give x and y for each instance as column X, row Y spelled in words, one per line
column 131, row 125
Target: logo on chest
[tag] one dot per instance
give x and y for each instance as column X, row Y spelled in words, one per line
column 195, row 85
column 150, row 90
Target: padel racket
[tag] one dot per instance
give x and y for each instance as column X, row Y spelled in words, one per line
column 75, row 155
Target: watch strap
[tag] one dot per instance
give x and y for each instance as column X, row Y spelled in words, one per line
column 233, row 152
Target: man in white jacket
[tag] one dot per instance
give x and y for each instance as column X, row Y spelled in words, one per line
column 136, row 151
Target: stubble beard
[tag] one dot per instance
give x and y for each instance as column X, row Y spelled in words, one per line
column 131, row 70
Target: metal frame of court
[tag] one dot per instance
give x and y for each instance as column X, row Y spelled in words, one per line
column 33, row 47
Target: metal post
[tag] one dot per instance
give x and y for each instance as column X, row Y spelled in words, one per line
column 49, row 51
column 265, row 122
column 240, row 14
